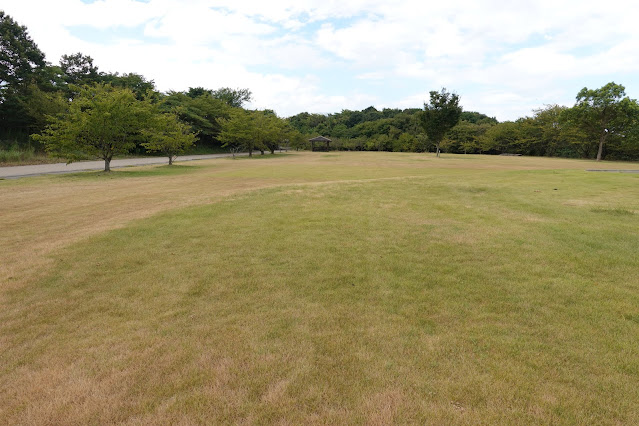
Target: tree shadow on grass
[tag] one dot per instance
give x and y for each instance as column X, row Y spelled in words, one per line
column 259, row 156
column 175, row 169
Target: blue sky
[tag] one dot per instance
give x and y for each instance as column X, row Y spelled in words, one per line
column 504, row 58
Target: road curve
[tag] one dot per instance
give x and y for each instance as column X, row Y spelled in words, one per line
column 13, row 172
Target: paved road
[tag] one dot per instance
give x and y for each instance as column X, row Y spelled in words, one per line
column 13, row 172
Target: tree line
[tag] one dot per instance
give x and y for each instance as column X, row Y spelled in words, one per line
column 73, row 110
column 70, row 109
column 603, row 123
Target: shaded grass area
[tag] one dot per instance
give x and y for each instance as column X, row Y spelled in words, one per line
column 503, row 297
column 267, row 156
column 199, row 150
column 129, row 172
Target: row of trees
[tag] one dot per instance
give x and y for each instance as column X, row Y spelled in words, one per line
column 104, row 121
column 75, row 111
column 603, row 122
column 373, row 130
column 61, row 107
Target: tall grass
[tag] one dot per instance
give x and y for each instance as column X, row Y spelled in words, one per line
column 15, row 154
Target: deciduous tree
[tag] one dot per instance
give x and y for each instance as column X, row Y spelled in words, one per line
column 236, row 131
column 20, row 57
column 253, row 130
column 102, row 121
column 21, row 62
column 604, row 112
column 201, row 111
column 440, row 115
column 165, row 133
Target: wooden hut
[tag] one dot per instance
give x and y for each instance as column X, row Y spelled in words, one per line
column 320, row 140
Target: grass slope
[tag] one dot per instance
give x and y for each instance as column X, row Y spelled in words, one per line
column 395, row 292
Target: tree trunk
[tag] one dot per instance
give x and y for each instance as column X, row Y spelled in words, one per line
column 438, row 150
column 107, row 164
column 262, row 151
column 170, row 160
column 602, row 140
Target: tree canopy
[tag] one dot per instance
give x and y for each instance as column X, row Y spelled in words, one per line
column 604, row 113
column 20, row 57
column 262, row 130
column 21, row 64
column 235, row 98
column 168, row 135
column 440, row 115
column 200, row 110
column 102, row 121
column 78, row 69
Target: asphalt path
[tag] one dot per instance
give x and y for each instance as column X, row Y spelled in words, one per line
column 14, row 172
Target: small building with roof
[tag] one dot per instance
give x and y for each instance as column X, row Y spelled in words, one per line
column 320, row 141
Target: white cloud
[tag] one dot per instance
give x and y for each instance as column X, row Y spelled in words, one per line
column 504, row 58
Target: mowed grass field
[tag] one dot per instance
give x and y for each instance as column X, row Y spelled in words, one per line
column 322, row 288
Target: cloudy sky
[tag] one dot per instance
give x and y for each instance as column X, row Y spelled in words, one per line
column 504, row 58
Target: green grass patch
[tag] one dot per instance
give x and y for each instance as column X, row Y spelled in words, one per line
column 429, row 299
column 613, row 211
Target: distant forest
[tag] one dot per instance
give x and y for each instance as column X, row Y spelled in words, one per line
column 373, row 130
column 554, row 130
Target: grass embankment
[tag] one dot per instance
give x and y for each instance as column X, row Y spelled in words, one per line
column 358, row 288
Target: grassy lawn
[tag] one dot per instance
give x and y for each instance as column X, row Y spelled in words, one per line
column 323, row 288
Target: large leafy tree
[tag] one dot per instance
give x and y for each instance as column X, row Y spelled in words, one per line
column 269, row 131
column 604, row 113
column 40, row 104
column 102, row 121
column 21, row 63
column 251, row 130
column 465, row 137
column 20, row 57
column 237, row 131
column 200, row 110
column 440, row 115
column 168, row 135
